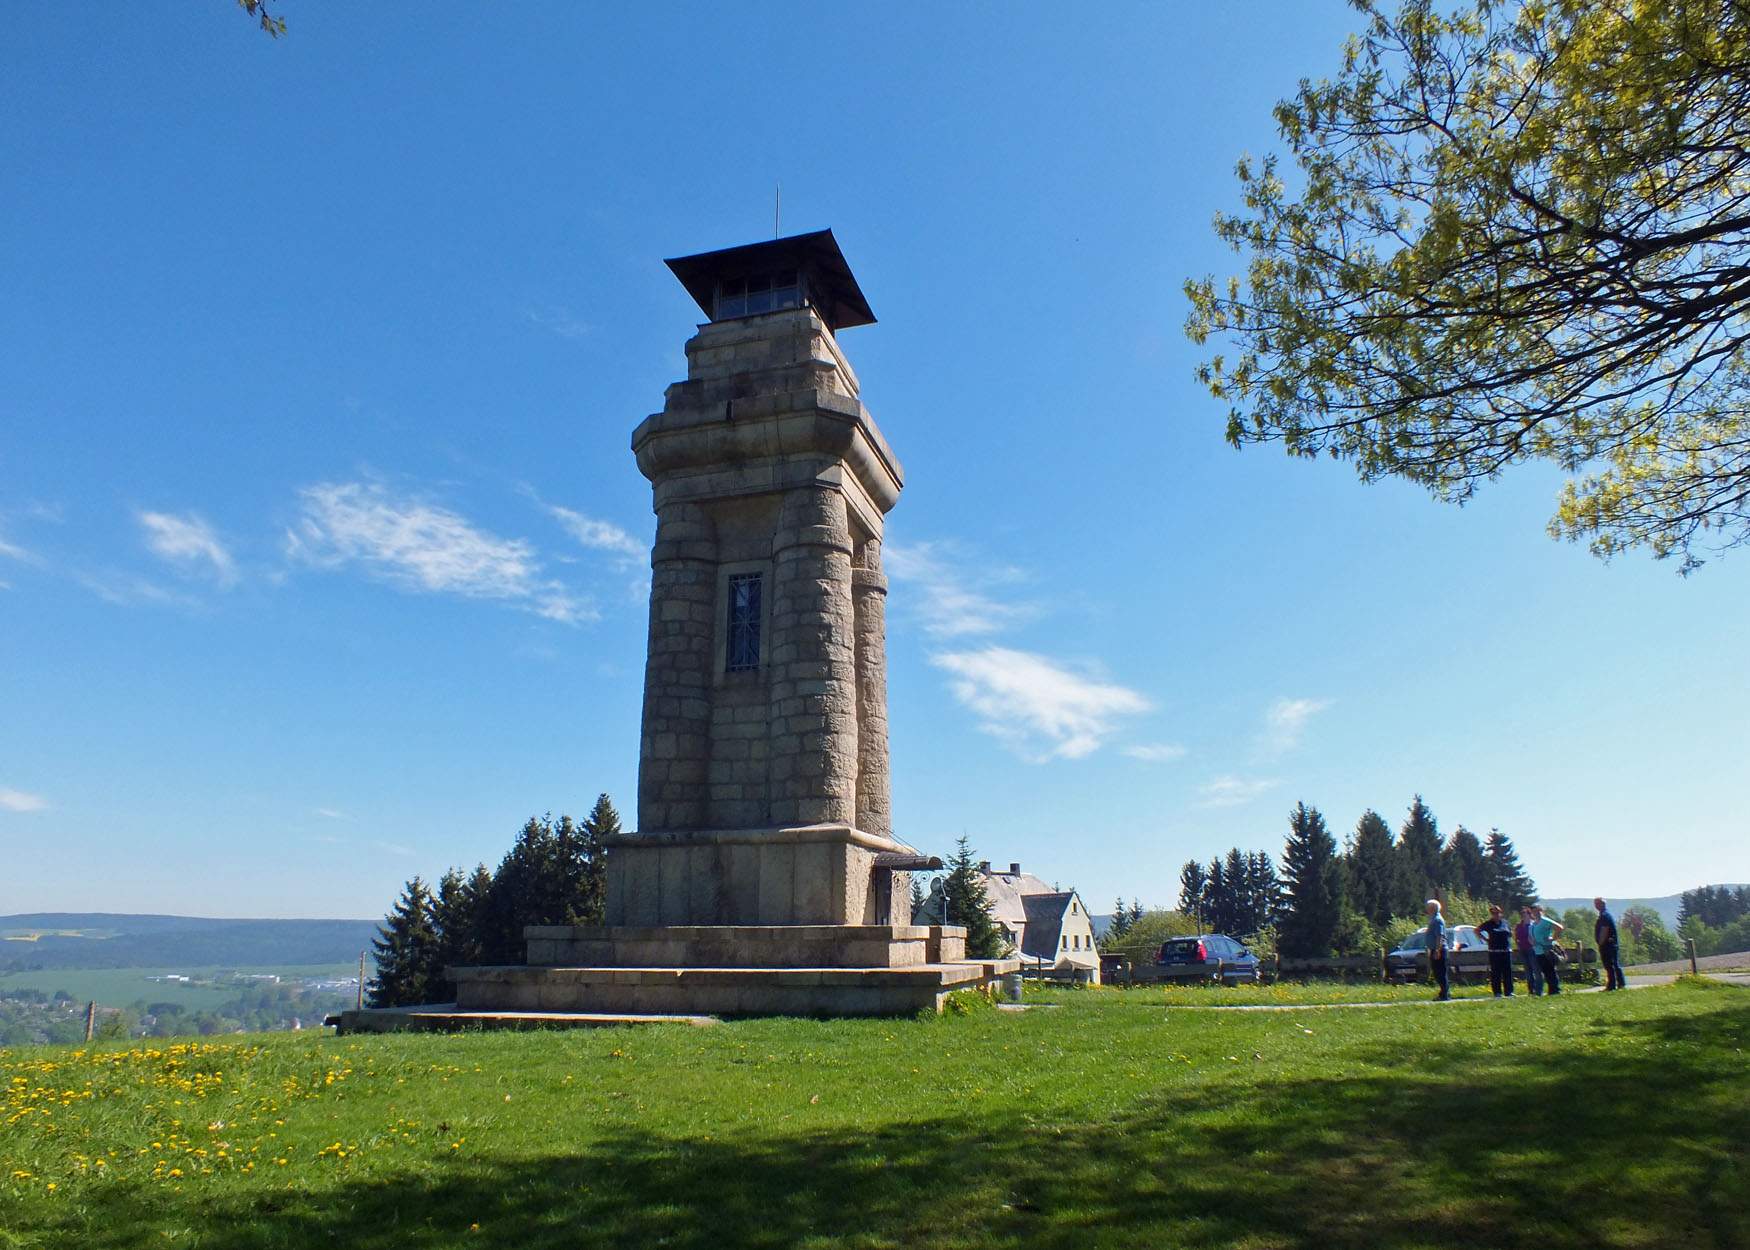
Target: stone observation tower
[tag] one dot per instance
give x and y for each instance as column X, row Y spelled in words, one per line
column 764, row 875
column 762, row 781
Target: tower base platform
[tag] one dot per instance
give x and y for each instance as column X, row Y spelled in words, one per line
column 596, row 974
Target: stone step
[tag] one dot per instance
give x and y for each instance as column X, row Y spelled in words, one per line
column 445, row 1018
column 722, row 990
column 743, row 946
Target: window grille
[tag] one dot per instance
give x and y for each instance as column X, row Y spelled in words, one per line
column 743, row 654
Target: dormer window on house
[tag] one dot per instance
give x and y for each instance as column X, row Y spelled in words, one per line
column 761, row 293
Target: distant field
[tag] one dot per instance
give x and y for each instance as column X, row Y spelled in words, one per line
column 122, row 987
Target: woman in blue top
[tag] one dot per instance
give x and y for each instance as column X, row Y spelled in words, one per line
column 1544, row 933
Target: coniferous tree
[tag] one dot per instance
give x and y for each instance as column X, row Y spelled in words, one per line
column 968, row 906
column 1193, row 888
column 1136, row 911
column 405, row 946
column 918, row 897
column 549, row 876
column 1266, row 891
column 1508, row 884
column 1215, row 898
column 455, row 940
column 1239, row 885
column 1314, row 877
column 1120, row 924
column 1464, row 867
column 602, row 823
column 1420, row 868
column 1371, row 870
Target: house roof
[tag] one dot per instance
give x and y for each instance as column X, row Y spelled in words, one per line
column 1045, row 913
column 1006, row 892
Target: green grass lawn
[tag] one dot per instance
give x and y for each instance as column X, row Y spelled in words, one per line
column 1589, row 1121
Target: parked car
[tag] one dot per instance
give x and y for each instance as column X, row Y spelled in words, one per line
column 1206, row 957
column 1410, row 960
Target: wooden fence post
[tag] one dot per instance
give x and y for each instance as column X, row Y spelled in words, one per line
column 1694, row 968
column 361, row 980
column 91, row 1018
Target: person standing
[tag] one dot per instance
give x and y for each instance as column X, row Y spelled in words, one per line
column 1609, row 950
column 1500, row 939
column 1528, row 956
column 1544, row 933
column 1437, row 949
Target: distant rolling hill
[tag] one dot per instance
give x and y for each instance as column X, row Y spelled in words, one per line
column 1667, row 905
column 112, row 940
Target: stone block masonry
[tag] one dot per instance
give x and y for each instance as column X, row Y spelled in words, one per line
column 763, row 465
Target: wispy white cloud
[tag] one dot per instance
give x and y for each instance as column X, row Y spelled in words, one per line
column 953, row 602
column 599, row 535
column 422, row 547
column 187, row 541
column 1285, row 723
column 1234, row 791
column 1156, row 752
column 12, row 551
column 21, row 801
column 331, row 813
column 1041, row 710
column 556, row 319
column 128, row 589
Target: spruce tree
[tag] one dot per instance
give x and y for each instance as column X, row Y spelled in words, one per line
column 1136, row 911
column 602, row 823
column 1216, row 899
column 1372, row 870
column 455, row 943
column 549, row 876
column 1193, row 889
column 1266, row 891
column 1419, row 864
column 1120, row 924
column 1463, row 863
column 405, row 947
column 1239, row 883
column 1314, row 876
column 969, row 907
column 1508, row 884
column 918, row 897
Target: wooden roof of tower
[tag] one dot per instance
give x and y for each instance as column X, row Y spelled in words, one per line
column 832, row 288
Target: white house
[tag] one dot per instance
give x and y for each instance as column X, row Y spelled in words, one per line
column 1048, row 927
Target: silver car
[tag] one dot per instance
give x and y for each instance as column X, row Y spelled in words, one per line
column 1410, row 959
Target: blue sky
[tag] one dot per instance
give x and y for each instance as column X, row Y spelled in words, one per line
column 322, row 550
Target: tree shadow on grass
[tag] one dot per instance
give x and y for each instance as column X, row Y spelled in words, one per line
column 1583, row 1148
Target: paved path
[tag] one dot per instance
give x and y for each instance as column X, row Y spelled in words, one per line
column 1634, row 983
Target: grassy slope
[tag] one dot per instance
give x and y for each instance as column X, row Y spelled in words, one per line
column 1104, row 1122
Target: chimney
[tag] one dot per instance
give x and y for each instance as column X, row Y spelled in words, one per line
column 984, row 865
column 1014, row 870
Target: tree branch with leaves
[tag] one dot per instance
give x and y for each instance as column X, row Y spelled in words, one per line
column 1521, row 231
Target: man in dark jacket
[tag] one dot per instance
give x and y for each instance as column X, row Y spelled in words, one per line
column 1500, row 936
column 1604, row 933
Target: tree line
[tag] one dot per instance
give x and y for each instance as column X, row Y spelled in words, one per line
column 554, row 873
column 1327, row 899
column 1717, row 917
